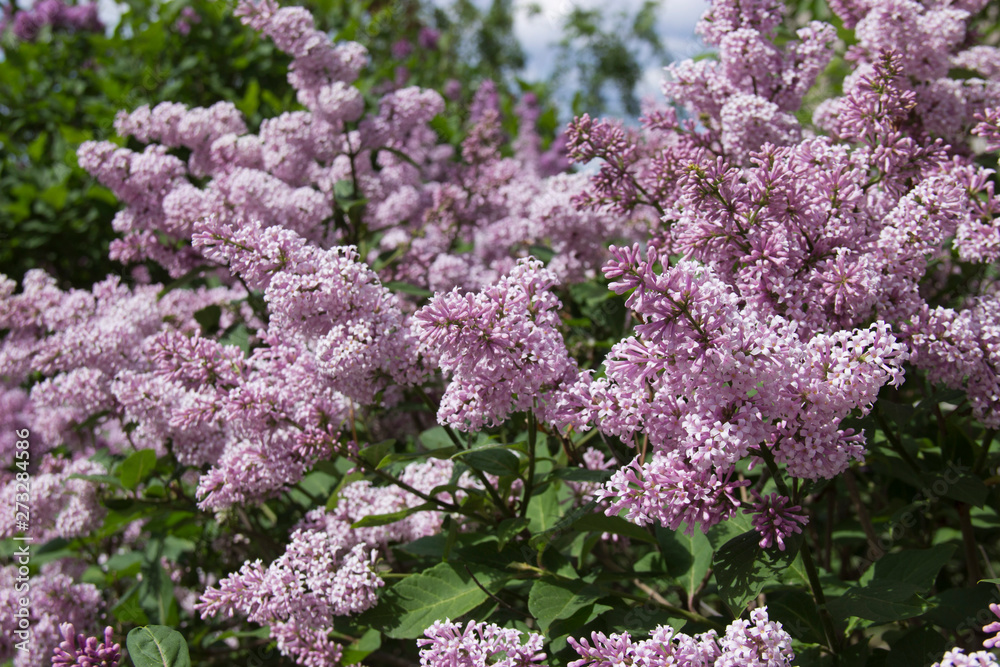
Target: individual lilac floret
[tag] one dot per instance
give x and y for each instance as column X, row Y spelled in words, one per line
column 84, row 651
column 957, row 658
column 479, row 645
column 994, row 641
column 774, row 520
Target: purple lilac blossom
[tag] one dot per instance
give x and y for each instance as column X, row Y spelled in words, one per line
column 82, row 651
column 56, row 599
column 994, row 627
column 501, row 347
column 758, row 642
column 957, row 657
column 775, row 521
column 478, row 645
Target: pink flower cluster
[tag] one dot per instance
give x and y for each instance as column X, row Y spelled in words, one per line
column 788, row 280
column 994, row 627
column 328, row 568
column 478, row 645
column 758, row 642
column 709, row 377
column 27, row 23
column 299, row 594
column 56, row 599
column 502, row 348
column 83, row 651
column 957, row 657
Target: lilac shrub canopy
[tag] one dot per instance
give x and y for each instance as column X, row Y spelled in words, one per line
column 353, row 299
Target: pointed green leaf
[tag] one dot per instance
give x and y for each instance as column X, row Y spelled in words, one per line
column 447, row 590
column 688, row 557
column 492, row 460
column 743, row 568
column 392, row 517
column 137, row 467
column 550, row 601
column 157, row 646
column 880, row 602
column 918, row 567
column 373, row 454
column 544, row 511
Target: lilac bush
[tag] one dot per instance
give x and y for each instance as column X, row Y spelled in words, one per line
column 654, row 414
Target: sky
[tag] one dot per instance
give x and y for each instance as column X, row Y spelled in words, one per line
column 675, row 25
column 538, row 33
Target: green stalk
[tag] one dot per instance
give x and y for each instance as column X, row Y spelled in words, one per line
column 835, row 640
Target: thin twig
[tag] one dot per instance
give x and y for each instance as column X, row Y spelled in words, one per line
column 494, row 597
column 866, row 522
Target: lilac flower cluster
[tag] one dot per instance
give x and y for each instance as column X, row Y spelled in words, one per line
column 706, row 380
column 957, row 657
column 328, row 568
column 422, row 204
column 502, row 347
column 83, row 651
column 758, row 642
column 801, row 285
column 56, row 599
column 299, row 594
column 27, row 23
column 478, row 645
column 994, row 627
column 775, row 521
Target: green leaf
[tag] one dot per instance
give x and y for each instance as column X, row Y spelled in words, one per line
column 543, row 511
column 917, row 567
column 397, row 457
column 688, row 557
column 492, row 460
column 542, row 252
column 392, row 517
column 238, row 336
column 369, row 642
column 346, row 480
column 208, row 317
column 136, row 468
column 373, row 454
column 508, row 529
column 956, row 608
column 251, row 98
column 436, row 438
column 128, row 611
column 880, row 602
column 156, row 593
column 447, row 590
column 110, row 480
column 157, row 646
column 550, row 601
column 743, row 568
column 919, row 647
column 583, row 475
column 407, row 288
